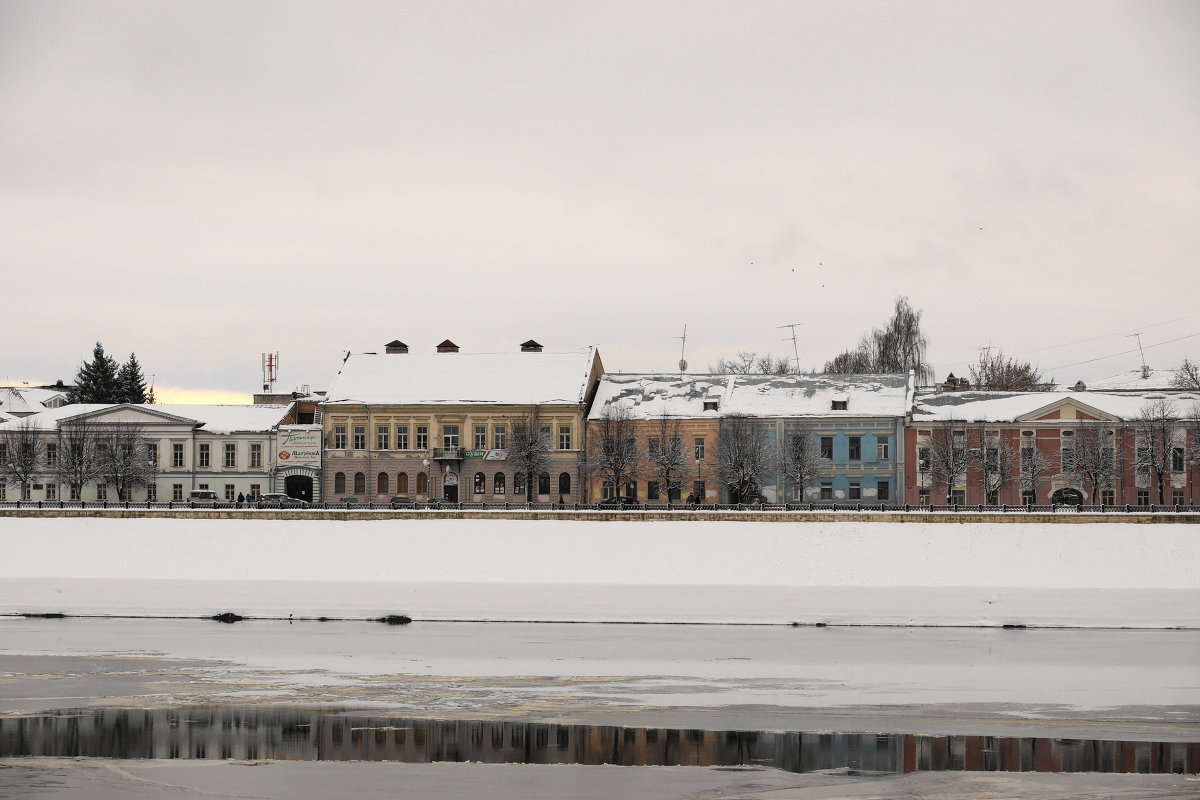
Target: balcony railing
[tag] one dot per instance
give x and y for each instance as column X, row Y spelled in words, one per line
column 448, row 453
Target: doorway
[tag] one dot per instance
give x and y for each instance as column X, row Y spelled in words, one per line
column 299, row 487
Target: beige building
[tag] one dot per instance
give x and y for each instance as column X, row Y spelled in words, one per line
column 439, row 425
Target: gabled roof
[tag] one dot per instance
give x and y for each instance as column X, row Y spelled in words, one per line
column 1030, row 406
column 18, row 400
column 647, row 396
column 211, row 418
column 462, row 378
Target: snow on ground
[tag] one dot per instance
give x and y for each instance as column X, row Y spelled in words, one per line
column 1103, row 575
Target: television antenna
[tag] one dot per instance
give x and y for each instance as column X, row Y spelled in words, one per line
column 682, row 350
column 1141, row 352
column 792, row 338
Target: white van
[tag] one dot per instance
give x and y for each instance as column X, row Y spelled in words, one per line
column 202, row 496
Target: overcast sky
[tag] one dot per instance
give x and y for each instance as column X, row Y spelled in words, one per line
column 203, row 181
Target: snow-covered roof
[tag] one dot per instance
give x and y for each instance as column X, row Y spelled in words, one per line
column 1133, row 380
column 16, row 400
column 971, row 406
column 462, row 378
column 213, row 418
column 651, row 395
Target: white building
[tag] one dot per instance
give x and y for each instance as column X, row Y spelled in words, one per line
column 229, row 449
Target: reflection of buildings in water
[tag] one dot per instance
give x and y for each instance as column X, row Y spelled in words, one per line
column 322, row 734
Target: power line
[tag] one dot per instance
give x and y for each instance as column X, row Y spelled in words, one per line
column 1123, row 353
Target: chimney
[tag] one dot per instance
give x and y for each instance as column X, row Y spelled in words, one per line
column 447, row 347
column 1145, row 372
column 395, row 346
column 531, row 347
column 1079, row 386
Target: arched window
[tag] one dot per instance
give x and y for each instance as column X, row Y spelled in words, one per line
column 402, row 483
column 519, row 483
column 382, row 484
column 360, row 483
column 608, row 490
column 544, row 483
column 422, row 483
column 564, row 483
column 480, row 483
column 339, row 483
column 498, row 483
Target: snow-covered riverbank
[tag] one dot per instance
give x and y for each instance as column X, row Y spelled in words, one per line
column 1107, row 575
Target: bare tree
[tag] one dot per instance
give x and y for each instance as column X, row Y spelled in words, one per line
column 1154, row 431
column 996, row 460
column 1036, row 468
column 945, row 455
column 665, row 454
column 1095, row 458
column 800, row 460
column 898, row 347
column 995, row 371
column 22, row 448
column 613, row 452
column 748, row 362
column 529, row 448
column 1187, row 376
column 78, row 461
column 743, row 455
column 121, row 450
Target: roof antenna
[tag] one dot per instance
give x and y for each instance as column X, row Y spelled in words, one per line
column 795, row 346
column 1145, row 369
column 682, row 350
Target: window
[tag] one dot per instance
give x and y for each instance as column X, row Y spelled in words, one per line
column 176, row 454
column 176, row 491
column 381, row 483
column 1028, row 497
column 339, row 483
column 698, row 491
column 3, row 452
column 652, row 446
column 25, row 495
column 1068, row 459
column 230, row 455
column 519, row 483
column 498, row 437
column 203, row 486
column 1026, row 459
column 839, row 405
column 882, row 449
column 1176, row 459
column 958, row 497
column 339, row 437
column 826, row 490
column 51, row 455
column 1107, row 497
column 923, row 457
column 205, row 454
column 498, row 483
column 1143, row 497
column 993, row 497
column 401, row 437
column 401, row 483
column 360, row 483
column 230, row 492
column 544, row 483
column 255, row 491
column 449, row 436
column 631, row 489
column 481, row 437
column 564, row 437
column 710, row 405
column 564, row 483
column 1176, row 495
column 855, row 448
column 923, row 497
column 152, row 493
column 855, row 490
column 152, row 453
column 607, row 490
column 422, row 483
column 883, row 490
column 480, row 479
column 652, row 490
column 52, row 492
column 382, row 437
column 101, row 491
column 255, row 456
column 826, row 447
column 422, row 437
column 360, row 437
column 3, row 489
column 699, row 443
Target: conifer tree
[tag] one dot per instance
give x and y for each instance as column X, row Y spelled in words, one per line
column 96, row 381
column 131, row 382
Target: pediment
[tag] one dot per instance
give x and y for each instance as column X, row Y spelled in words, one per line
column 136, row 413
column 1067, row 409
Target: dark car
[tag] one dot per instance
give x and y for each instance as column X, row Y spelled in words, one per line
column 617, row 502
column 279, row 500
column 402, row 501
column 350, row 501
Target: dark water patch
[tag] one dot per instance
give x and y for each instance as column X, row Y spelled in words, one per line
column 289, row 733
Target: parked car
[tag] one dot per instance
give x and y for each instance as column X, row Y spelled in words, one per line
column 617, row 502
column 350, row 501
column 280, row 500
column 401, row 501
column 202, row 496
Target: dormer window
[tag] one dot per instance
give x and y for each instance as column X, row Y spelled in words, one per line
column 840, row 405
column 711, row 405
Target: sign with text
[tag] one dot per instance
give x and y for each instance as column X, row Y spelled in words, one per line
column 299, row 447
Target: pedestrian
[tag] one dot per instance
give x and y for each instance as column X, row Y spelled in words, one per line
column 241, row 498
